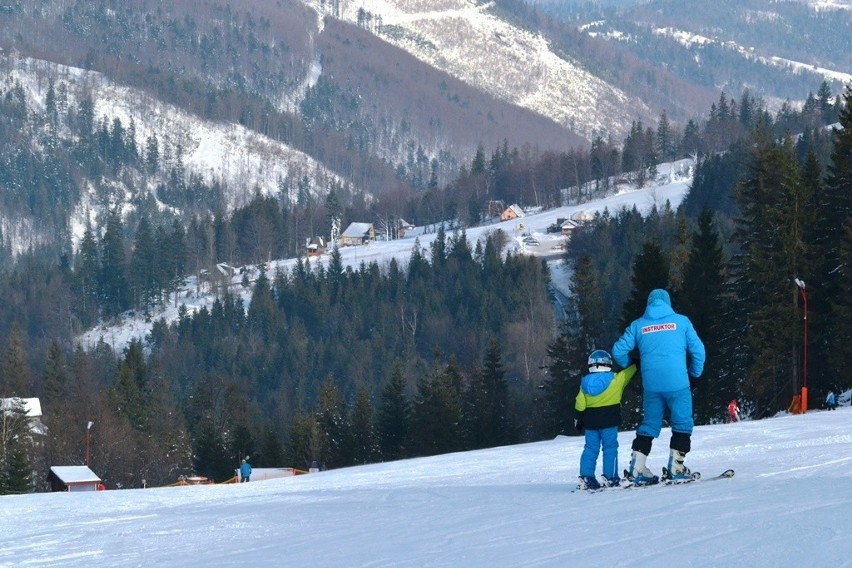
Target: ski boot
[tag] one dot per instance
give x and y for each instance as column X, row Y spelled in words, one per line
column 611, row 482
column 639, row 473
column 589, row 482
column 677, row 472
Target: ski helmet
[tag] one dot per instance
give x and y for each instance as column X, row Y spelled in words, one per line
column 600, row 361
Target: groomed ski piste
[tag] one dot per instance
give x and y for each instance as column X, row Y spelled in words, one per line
column 790, row 504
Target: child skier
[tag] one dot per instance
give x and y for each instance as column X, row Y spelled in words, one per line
column 831, row 400
column 733, row 412
column 597, row 410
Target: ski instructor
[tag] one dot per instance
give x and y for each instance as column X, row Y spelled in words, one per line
column 672, row 358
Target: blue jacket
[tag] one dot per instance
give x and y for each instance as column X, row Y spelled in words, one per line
column 245, row 469
column 599, row 401
column 669, row 348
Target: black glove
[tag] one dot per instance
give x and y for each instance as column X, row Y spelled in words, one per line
column 578, row 424
column 693, row 382
column 635, row 361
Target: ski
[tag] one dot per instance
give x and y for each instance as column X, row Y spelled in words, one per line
column 627, row 481
column 666, row 480
column 696, row 475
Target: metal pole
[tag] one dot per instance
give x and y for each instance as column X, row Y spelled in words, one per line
column 801, row 285
column 88, row 442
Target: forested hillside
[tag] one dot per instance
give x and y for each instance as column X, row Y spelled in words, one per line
column 775, row 49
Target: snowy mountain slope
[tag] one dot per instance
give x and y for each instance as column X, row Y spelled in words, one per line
column 464, row 39
column 241, row 159
column 673, row 182
column 788, row 505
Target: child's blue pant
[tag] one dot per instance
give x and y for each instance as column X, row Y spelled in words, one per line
column 595, row 439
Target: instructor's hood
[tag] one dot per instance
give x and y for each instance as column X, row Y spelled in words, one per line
column 659, row 304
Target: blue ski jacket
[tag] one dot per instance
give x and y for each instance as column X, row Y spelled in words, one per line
column 599, row 401
column 670, row 350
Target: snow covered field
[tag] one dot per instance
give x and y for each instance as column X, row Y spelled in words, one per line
column 790, row 504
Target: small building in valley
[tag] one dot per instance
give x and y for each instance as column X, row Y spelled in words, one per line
column 357, row 234
column 73, row 478
column 512, row 212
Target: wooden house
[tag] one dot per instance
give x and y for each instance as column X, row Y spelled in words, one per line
column 226, row 270
column 568, row 227
column 73, row 478
column 315, row 246
column 403, row 227
column 357, row 234
column 512, row 212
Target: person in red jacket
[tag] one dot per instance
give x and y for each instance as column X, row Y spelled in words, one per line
column 733, row 412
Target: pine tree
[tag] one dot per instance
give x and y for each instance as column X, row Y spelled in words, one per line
column 86, row 273
column 650, row 271
column 436, row 421
column 263, row 315
column 832, row 276
column 112, row 280
column 15, row 449
column 211, row 458
column 560, row 387
column 770, row 234
column 128, row 389
column 303, row 441
column 242, row 442
column 56, row 376
column 271, row 451
column 501, row 424
column 15, row 371
column 394, row 415
column 702, row 298
column 336, row 439
column 587, row 304
column 664, row 139
column 365, row 442
column 143, row 275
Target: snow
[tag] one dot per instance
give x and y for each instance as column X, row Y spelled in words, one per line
column 788, row 505
column 502, row 59
column 240, row 158
column 74, row 473
column 688, row 39
column 672, row 184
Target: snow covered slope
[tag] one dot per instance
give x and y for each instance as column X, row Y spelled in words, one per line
column 464, row 38
column 788, row 505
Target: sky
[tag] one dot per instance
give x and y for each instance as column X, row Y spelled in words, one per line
column 789, row 504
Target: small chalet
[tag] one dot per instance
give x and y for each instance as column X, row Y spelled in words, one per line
column 404, row 226
column 568, row 227
column 315, row 246
column 73, row 478
column 357, row 234
column 226, row 269
column 512, row 212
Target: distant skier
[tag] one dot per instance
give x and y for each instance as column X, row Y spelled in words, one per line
column 597, row 410
column 831, row 400
column 733, row 412
column 245, row 471
column 672, row 357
